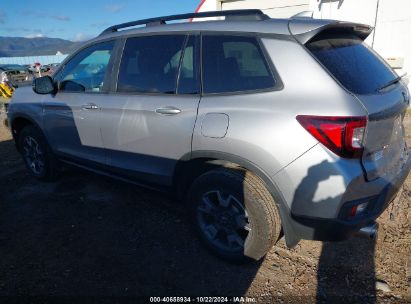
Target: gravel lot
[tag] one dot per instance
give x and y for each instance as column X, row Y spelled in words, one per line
column 87, row 235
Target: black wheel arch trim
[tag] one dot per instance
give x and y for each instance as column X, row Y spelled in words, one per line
column 28, row 118
column 291, row 237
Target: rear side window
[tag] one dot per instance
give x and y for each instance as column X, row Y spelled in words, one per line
column 352, row 62
column 234, row 64
column 150, row 64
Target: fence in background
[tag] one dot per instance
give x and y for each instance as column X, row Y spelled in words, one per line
column 33, row 59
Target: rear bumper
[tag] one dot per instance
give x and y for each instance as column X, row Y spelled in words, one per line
column 340, row 229
column 326, row 219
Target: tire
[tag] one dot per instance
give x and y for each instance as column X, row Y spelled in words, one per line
column 36, row 153
column 235, row 203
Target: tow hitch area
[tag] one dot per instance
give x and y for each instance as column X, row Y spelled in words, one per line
column 369, row 232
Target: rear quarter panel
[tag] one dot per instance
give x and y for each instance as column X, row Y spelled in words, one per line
column 262, row 125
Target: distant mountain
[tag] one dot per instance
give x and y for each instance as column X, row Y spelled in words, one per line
column 18, row 46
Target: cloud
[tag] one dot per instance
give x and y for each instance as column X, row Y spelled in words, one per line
column 42, row 15
column 114, row 8
column 61, row 17
column 2, row 17
column 38, row 35
column 22, row 31
column 81, row 37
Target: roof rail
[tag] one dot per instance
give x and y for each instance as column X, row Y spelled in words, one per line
column 238, row 15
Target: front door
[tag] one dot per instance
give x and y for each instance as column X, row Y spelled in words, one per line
column 72, row 116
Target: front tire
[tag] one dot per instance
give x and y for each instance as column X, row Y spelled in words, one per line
column 36, row 154
column 234, row 214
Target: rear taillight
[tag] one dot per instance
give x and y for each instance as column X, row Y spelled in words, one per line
column 342, row 135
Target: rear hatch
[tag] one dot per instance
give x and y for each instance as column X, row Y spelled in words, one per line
column 341, row 50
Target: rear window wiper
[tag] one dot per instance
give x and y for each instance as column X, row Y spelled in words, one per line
column 391, row 82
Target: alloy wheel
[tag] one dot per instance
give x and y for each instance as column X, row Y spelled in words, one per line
column 33, row 155
column 223, row 220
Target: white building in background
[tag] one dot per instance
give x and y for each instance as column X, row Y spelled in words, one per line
column 58, row 58
column 391, row 20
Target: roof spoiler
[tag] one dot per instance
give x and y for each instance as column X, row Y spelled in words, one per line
column 304, row 14
column 304, row 30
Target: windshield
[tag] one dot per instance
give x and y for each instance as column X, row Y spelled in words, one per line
column 353, row 63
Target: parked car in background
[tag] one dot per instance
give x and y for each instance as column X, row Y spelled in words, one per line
column 31, row 68
column 17, row 74
column 45, row 68
column 28, row 68
column 262, row 126
column 36, row 69
column 53, row 67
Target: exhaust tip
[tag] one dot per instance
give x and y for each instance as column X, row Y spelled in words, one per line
column 369, row 232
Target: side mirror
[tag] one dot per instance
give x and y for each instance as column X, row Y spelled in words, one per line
column 44, row 85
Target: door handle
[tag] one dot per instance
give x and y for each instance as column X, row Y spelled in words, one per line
column 90, row 106
column 168, row 111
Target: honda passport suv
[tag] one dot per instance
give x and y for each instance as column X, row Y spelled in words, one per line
column 262, row 126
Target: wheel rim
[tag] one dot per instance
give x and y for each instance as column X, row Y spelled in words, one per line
column 223, row 220
column 33, row 155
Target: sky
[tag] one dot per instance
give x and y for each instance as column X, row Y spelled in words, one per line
column 79, row 20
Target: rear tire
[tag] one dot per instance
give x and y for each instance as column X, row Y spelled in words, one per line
column 234, row 214
column 36, row 153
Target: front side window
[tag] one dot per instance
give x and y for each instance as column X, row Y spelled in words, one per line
column 150, row 64
column 234, row 64
column 87, row 71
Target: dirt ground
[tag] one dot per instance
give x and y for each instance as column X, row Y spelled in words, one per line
column 89, row 236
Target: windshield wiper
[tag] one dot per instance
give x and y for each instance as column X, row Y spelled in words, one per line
column 395, row 80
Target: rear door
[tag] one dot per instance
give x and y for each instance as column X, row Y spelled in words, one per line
column 147, row 124
column 361, row 71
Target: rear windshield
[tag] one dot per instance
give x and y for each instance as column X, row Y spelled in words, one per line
column 353, row 63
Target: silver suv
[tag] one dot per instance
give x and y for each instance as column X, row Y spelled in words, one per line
column 262, row 126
